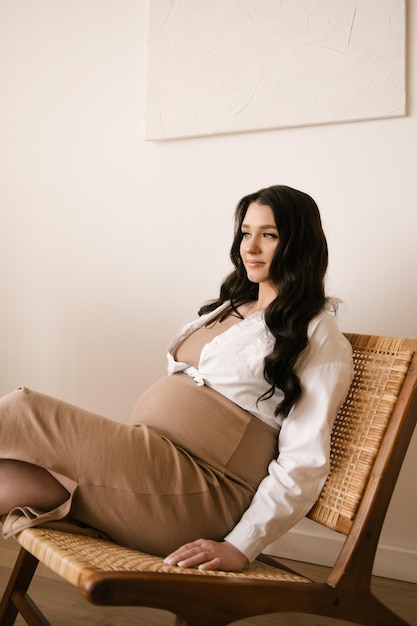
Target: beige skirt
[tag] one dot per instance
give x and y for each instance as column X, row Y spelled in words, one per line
column 187, row 466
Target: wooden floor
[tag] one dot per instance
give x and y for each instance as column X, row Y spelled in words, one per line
column 64, row 606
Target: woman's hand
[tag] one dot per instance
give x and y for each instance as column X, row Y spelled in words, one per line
column 207, row 554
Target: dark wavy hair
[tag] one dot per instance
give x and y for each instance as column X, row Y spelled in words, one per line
column 297, row 270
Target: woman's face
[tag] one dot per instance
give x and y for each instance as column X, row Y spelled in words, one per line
column 259, row 242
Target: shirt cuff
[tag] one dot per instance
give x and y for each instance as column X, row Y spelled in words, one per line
column 245, row 540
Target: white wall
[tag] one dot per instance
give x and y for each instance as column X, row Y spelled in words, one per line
column 108, row 243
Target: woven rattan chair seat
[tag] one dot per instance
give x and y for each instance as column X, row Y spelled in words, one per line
column 74, row 556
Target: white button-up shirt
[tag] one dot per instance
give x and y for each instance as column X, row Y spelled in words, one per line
column 233, row 364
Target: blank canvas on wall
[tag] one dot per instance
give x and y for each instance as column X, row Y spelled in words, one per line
column 223, row 66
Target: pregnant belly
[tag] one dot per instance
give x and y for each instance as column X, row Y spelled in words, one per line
column 208, row 426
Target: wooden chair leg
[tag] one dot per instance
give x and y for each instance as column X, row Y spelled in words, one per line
column 15, row 599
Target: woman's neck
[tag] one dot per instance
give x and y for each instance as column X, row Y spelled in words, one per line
column 266, row 295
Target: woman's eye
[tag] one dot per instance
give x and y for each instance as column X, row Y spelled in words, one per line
column 245, row 235
column 270, row 235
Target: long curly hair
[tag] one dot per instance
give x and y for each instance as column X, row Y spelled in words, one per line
column 297, row 271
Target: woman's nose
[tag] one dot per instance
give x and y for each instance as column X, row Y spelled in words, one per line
column 252, row 245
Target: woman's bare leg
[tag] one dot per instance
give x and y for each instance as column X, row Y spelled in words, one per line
column 24, row 484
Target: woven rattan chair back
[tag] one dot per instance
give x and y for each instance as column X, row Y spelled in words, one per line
column 380, row 365
column 369, row 441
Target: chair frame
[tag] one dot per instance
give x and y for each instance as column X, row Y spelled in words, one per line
column 213, row 600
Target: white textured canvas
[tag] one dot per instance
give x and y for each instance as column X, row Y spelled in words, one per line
column 221, row 66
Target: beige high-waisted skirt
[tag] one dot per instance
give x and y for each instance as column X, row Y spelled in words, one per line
column 187, row 466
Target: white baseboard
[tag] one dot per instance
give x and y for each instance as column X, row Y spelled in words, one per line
column 321, row 549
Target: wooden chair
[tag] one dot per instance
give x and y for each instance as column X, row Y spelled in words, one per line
column 369, row 442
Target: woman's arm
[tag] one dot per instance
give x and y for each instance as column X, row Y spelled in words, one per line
column 296, row 477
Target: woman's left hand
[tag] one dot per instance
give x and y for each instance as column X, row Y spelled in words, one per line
column 207, row 554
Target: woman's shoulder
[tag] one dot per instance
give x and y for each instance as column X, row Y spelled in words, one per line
column 326, row 340
column 324, row 323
